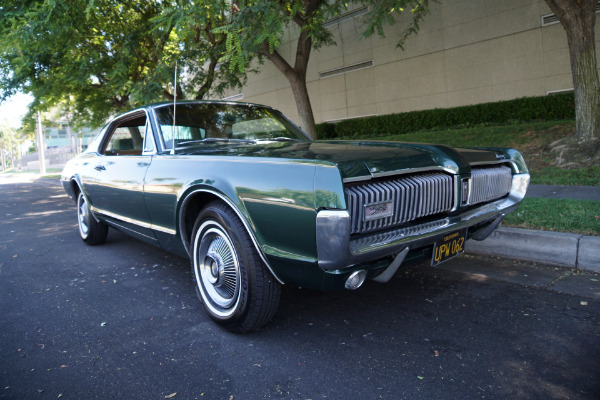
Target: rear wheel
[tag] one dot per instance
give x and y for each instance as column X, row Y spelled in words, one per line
column 233, row 283
column 91, row 231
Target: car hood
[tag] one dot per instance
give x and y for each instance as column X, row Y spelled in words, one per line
column 357, row 159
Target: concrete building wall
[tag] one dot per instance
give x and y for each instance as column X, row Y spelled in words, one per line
column 466, row 52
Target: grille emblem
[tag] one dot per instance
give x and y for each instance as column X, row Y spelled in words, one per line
column 378, row 210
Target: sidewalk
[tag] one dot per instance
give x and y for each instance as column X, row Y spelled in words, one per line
column 559, row 248
column 564, row 192
column 26, row 176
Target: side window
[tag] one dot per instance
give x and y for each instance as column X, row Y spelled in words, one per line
column 127, row 137
column 149, row 141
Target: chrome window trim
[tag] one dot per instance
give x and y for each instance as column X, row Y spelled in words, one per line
column 158, row 131
column 148, row 134
column 111, row 127
column 223, row 102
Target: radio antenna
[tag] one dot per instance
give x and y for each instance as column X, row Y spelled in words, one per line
column 174, row 107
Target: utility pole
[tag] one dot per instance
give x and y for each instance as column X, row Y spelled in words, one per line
column 41, row 145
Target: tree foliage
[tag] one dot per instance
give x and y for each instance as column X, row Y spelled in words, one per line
column 257, row 28
column 107, row 56
column 201, row 46
column 10, row 142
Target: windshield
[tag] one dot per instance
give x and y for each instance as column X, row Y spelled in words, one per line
column 221, row 122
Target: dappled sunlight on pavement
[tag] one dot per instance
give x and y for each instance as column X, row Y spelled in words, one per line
column 18, row 177
column 123, row 320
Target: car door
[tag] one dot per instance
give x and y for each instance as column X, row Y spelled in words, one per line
column 117, row 191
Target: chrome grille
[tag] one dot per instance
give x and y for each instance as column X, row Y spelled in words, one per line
column 489, row 183
column 412, row 197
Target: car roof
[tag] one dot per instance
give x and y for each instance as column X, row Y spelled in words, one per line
column 163, row 103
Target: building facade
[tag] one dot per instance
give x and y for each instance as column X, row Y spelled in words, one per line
column 466, row 52
column 58, row 137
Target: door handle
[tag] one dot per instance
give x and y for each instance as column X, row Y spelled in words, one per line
column 100, row 168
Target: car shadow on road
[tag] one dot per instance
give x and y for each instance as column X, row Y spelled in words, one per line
column 124, row 317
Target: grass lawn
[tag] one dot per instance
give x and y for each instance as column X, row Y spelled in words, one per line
column 563, row 215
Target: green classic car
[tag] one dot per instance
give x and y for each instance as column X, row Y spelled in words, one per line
column 254, row 203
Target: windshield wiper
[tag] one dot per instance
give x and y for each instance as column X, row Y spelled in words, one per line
column 277, row 139
column 214, row 140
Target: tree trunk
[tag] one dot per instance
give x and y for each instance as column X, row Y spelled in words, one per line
column 2, row 156
column 19, row 159
column 297, row 78
column 208, row 80
column 41, row 145
column 70, row 137
column 578, row 18
column 297, row 75
column 300, row 91
column 587, row 93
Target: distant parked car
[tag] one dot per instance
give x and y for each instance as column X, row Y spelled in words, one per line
column 255, row 203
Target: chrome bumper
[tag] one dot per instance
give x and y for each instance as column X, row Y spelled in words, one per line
column 337, row 250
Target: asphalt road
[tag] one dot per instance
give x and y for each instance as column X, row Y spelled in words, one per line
column 122, row 320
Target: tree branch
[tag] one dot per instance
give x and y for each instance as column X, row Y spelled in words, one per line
column 276, row 58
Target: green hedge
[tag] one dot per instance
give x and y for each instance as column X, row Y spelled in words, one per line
column 544, row 108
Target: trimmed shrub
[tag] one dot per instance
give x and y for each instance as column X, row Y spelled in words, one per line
column 326, row 131
column 544, row 108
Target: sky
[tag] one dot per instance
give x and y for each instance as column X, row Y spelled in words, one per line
column 14, row 108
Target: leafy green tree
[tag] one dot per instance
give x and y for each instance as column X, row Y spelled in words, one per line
column 10, row 143
column 257, row 28
column 202, row 47
column 53, row 49
column 106, row 56
column 578, row 18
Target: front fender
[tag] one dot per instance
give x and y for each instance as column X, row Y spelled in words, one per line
column 275, row 200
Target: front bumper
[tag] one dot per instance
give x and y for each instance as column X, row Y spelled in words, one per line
column 337, row 251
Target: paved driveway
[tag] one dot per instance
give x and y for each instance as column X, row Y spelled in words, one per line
column 122, row 321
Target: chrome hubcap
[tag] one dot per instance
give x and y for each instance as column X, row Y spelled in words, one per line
column 84, row 216
column 217, row 269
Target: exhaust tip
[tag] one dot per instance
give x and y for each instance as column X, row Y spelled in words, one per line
column 356, row 279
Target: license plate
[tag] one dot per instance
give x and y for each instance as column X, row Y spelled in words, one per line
column 448, row 246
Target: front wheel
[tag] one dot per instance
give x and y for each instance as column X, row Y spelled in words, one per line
column 91, row 231
column 233, row 283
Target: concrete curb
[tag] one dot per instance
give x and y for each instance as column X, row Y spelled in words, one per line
column 564, row 249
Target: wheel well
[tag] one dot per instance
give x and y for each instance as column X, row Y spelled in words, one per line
column 192, row 206
column 76, row 189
